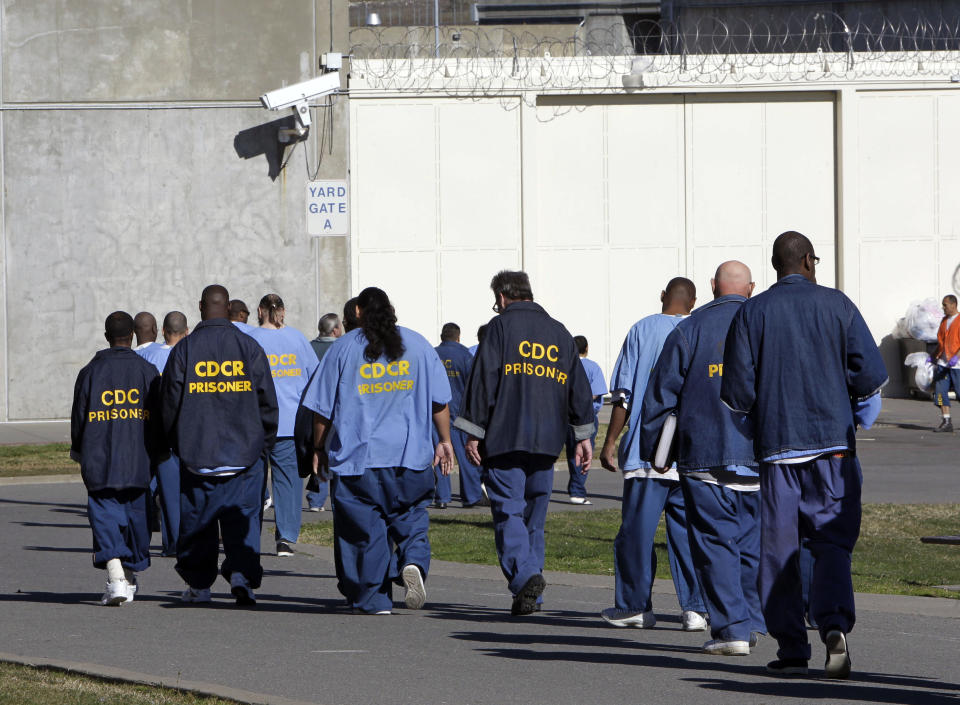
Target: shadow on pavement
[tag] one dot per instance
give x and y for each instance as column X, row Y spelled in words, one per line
column 266, row 602
column 912, row 426
column 69, row 598
column 554, row 618
column 594, row 642
column 859, row 689
column 82, row 508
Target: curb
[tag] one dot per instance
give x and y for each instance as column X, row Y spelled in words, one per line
column 40, row 480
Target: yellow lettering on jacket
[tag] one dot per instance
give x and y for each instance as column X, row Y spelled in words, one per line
column 212, row 368
column 120, row 396
column 534, row 351
column 221, row 387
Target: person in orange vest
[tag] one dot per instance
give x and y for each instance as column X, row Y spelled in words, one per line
column 947, row 358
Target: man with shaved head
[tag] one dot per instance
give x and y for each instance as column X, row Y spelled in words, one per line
column 145, row 329
column 801, row 362
column 648, row 493
column 168, row 470
column 718, row 473
column 174, row 330
column 112, row 431
column 220, row 416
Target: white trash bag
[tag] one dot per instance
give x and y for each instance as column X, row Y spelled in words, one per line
column 923, row 320
column 900, row 329
column 925, row 369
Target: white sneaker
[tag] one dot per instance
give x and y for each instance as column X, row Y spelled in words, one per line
column 195, row 595
column 134, row 585
column 413, row 581
column 691, row 621
column 628, row 618
column 117, row 592
column 837, row 664
column 727, row 647
column 580, row 500
column 241, row 590
column 268, row 503
column 314, row 509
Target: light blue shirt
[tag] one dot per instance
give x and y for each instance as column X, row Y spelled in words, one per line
column 292, row 361
column 598, row 385
column 156, row 355
column 381, row 412
column 245, row 327
column 639, row 353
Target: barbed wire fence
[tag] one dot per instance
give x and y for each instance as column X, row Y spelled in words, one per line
column 489, row 62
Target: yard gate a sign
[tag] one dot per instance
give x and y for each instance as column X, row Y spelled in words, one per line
column 328, row 208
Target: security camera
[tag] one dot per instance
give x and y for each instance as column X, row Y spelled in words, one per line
column 298, row 95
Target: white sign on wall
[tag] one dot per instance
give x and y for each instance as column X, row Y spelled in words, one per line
column 328, row 208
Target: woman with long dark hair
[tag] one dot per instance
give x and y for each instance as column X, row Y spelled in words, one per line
column 374, row 397
column 292, row 361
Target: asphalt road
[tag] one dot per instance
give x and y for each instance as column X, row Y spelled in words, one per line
column 300, row 645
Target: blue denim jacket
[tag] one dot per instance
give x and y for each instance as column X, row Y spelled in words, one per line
column 687, row 379
column 798, row 358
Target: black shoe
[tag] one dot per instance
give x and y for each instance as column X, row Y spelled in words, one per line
column 526, row 600
column 243, row 597
column 284, row 549
column 439, row 505
column 788, row 667
column 946, row 426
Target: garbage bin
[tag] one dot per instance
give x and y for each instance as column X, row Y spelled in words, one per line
column 912, row 345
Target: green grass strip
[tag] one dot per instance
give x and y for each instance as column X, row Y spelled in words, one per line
column 26, row 685
column 26, row 460
column 889, row 558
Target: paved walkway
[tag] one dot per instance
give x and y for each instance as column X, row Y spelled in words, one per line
column 300, row 646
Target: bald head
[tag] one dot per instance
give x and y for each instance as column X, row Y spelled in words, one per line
column 732, row 277
column 118, row 329
column 174, row 327
column 145, row 328
column 793, row 254
column 214, row 302
column 679, row 296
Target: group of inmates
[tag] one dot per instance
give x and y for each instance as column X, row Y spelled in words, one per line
column 738, row 422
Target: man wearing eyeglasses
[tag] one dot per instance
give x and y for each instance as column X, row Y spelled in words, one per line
column 800, row 360
column 525, row 389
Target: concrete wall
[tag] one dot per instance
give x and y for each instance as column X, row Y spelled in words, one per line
column 122, row 187
column 620, row 190
column 601, row 199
